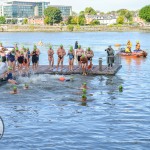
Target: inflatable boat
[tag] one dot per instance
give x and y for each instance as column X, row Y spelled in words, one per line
column 135, row 53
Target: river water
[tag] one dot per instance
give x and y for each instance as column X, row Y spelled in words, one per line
column 51, row 116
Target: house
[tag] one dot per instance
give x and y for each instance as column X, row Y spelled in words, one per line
column 36, row 20
column 103, row 19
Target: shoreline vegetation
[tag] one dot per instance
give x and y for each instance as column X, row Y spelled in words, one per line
column 73, row 28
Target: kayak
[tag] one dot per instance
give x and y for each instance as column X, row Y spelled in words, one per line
column 135, row 53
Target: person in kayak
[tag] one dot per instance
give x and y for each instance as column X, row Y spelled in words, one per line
column 129, row 46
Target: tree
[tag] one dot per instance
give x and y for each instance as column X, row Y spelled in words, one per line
column 81, row 13
column 2, row 20
column 69, row 20
column 120, row 20
column 53, row 15
column 95, row 22
column 128, row 16
column 81, row 20
column 90, row 11
column 145, row 13
column 25, row 21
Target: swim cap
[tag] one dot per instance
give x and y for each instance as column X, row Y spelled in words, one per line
column 50, row 46
column 61, row 46
column 17, row 49
column 71, row 48
column 84, row 96
column 21, row 52
column 14, row 88
column 84, row 91
column 89, row 48
column 79, row 46
column 84, row 83
column 82, row 56
column 26, row 85
column 9, row 68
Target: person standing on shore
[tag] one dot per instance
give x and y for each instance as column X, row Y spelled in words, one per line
column 51, row 57
column 71, row 58
column 79, row 53
column 61, row 53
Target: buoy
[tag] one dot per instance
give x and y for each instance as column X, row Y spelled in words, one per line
column 62, row 79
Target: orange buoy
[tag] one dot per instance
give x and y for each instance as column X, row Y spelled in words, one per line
column 62, row 79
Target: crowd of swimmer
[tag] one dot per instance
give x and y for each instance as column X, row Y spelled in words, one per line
column 129, row 47
column 18, row 60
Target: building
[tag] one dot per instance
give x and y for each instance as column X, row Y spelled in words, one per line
column 65, row 10
column 23, row 9
column 36, row 20
column 103, row 19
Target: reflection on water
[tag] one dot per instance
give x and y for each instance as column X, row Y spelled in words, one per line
column 51, row 116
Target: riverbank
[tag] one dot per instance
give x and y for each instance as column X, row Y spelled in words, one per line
column 72, row 28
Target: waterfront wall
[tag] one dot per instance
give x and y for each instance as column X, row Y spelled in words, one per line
column 75, row 28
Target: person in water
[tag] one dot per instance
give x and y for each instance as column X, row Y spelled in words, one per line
column 26, row 86
column 71, row 58
column 9, row 76
column 84, row 86
column 89, row 54
column 129, row 46
column 79, row 53
column 15, row 91
column 61, row 53
column 84, row 61
column 51, row 57
column 11, row 59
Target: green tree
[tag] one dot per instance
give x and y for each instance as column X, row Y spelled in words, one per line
column 120, row 20
column 81, row 20
column 81, row 13
column 25, row 21
column 90, row 11
column 2, row 20
column 145, row 13
column 75, row 20
column 69, row 20
column 94, row 22
column 128, row 16
column 53, row 14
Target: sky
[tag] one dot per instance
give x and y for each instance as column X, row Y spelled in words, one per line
column 101, row 5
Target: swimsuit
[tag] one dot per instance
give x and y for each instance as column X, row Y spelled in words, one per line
column 79, row 58
column 34, row 58
column 9, row 76
column 71, row 56
column 11, row 57
column 60, row 57
column 20, row 59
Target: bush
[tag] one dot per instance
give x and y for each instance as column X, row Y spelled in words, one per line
column 70, row 27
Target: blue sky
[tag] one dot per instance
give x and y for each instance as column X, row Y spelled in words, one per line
column 102, row 5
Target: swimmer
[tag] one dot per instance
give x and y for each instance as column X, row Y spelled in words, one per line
column 14, row 90
column 26, row 86
column 71, row 79
column 9, row 76
column 84, row 98
column 84, row 91
column 84, row 86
